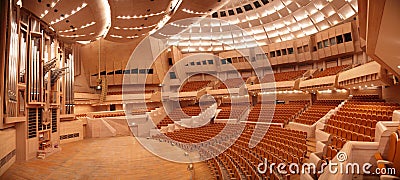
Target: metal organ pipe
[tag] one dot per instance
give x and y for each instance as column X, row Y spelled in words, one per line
column 12, row 65
column 22, row 62
column 69, row 83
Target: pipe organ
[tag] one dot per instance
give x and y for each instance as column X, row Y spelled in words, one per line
column 69, row 84
column 11, row 64
column 38, row 82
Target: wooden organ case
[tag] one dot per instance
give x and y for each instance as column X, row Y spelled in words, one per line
column 38, row 82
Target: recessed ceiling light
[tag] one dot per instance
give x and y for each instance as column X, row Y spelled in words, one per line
column 398, row 67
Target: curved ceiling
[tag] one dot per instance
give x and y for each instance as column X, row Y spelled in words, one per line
column 134, row 19
column 267, row 21
column 139, row 18
column 77, row 20
column 275, row 21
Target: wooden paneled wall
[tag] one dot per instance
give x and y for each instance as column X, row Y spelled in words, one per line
column 377, row 91
column 391, row 93
column 7, row 148
column 333, row 96
column 293, row 97
column 71, row 131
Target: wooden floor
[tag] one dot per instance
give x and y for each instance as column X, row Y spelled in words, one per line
column 104, row 158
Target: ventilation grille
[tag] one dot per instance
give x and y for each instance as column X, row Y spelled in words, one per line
column 32, row 123
column 69, row 136
column 54, row 120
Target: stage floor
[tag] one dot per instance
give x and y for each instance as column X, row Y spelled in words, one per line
column 105, row 158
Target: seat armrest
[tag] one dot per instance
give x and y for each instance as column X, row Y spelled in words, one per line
column 389, row 177
column 378, row 156
column 384, row 162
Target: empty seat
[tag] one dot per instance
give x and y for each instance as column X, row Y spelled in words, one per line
column 393, row 158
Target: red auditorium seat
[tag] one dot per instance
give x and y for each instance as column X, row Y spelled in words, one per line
column 284, row 76
column 316, row 111
column 277, row 145
column 393, row 157
column 329, row 71
column 193, row 86
column 356, row 120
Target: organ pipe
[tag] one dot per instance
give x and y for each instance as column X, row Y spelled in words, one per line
column 69, row 82
column 12, row 65
column 33, row 64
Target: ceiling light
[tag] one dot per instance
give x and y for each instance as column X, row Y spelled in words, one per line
column 398, row 67
column 141, row 16
column 19, row 3
column 83, row 42
column 193, row 12
column 67, row 15
column 136, row 28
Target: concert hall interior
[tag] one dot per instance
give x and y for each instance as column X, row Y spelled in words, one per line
column 200, row 89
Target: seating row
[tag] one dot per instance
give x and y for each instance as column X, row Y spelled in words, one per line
column 193, row 86
column 231, row 83
column 356, row 121
column 178, row 114
column 279, row 113
column 316, row 111
column 329, row 71
column 284, row 76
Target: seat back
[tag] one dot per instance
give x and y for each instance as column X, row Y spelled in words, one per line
column 393, row 144
column 396, row 159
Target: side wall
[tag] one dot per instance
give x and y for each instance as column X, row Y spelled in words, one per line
column 391, row 94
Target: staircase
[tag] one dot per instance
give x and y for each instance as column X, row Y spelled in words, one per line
column 311, row 147
column 104, row 90
column 195, row 121
column 120, row 125
column 41, row 156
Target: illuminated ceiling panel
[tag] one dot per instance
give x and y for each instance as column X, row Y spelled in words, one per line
column 80, row 20
column 279, row 20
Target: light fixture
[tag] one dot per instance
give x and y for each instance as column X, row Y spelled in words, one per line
column 83, row 42
column 72, row 13
column 140, row 16
column 47, row 11
column 135, row 28
column 193, row 12
column 19, row 3
column 116, row 36
column 74, row 29
column 398, row 66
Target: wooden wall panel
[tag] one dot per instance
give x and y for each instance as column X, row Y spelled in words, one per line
column 333, row 96
column 293, row 97
column 8, row 146
column 377, row 91
column 391, row 94
column 306, row 67
column 71, row 127
column 112, row 55
column 331, row 64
